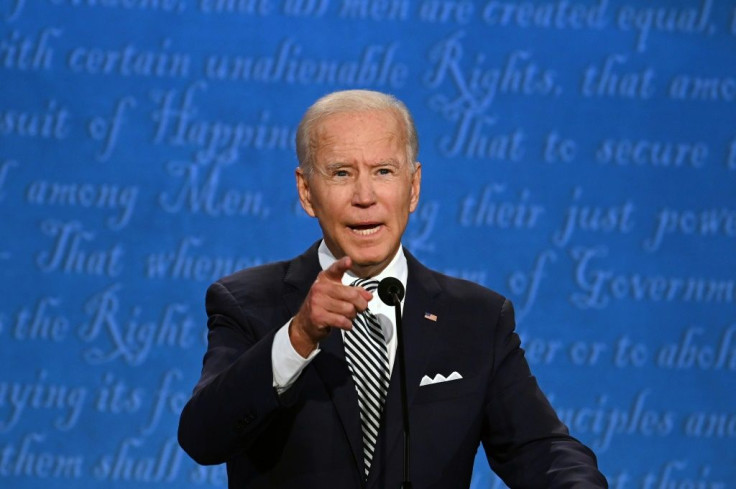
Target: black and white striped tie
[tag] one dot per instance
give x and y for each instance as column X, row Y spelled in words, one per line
column 367, row 357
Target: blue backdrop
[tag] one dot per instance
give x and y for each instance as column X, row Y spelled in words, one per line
column 578, row 156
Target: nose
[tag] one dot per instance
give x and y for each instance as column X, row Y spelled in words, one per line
column 364, row 194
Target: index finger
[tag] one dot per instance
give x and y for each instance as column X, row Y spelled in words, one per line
column 337, row 270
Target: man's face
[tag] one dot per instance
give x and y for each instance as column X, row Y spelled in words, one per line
column 362, row 188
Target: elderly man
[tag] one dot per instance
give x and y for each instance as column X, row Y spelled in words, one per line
column 299, row 389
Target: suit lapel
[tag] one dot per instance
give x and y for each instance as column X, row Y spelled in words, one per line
column 335, row 374
column 299, row 277
column 330, row 364
column 420, row 334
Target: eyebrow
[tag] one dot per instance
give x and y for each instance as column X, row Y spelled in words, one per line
column 336, row 166
column 343, row 164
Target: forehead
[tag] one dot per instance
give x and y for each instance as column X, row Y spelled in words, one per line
column 366, row 133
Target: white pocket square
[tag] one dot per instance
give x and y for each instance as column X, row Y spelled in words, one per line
column 427, row 380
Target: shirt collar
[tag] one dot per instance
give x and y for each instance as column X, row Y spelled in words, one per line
column 396, row 268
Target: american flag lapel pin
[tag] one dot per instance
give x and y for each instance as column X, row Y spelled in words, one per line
column 430, row 316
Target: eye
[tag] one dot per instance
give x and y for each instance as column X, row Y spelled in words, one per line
column 385, row 171
column 341, row 173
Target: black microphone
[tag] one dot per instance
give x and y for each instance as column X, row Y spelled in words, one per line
column 391, row 292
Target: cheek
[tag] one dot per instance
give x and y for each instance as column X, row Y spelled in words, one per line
column 331, row 207
column 406, row 203
column 322, row 196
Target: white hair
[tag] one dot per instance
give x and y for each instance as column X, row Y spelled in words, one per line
column 353, row 101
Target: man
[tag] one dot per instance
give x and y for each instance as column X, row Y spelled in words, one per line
column 284, row 399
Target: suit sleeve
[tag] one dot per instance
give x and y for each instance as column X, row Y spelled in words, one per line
column 525, row 442
column 234, row 399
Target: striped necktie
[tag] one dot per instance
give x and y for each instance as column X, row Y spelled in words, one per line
column 367, row 357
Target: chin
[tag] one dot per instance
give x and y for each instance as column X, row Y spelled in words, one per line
column 365, row 260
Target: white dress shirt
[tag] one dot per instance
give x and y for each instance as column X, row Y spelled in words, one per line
column 287, row 364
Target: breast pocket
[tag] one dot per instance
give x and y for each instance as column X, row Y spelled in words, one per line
column 452, row 389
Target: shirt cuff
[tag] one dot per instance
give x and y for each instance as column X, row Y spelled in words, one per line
column 286, row 363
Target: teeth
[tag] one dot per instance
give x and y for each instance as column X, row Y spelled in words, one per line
column 366, row 231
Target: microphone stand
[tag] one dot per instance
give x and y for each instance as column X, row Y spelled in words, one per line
column 406, row 484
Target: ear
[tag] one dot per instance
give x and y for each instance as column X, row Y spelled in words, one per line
column 305, row 195
column 416, row 184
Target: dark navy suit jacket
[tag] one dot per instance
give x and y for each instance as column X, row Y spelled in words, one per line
column 309, row 437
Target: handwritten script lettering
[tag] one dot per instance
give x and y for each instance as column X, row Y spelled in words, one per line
column 184, row 264
column 476, row 89
column 377, row 67
column 113, row 196
column 202, row 194
column 17, row 398
column 600, row 286
column 70, row 255
column 25, row 460
column 127, row 336
column 176, row 125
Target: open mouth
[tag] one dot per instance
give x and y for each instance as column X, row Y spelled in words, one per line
column 365, row 229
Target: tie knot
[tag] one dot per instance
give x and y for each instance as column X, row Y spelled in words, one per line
column 368, row 284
